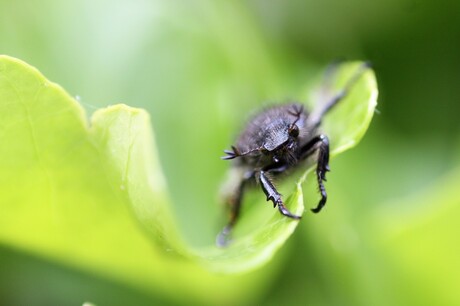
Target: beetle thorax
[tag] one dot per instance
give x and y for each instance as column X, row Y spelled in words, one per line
column 275, row 135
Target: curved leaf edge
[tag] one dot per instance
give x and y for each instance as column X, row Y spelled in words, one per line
column 241, row 256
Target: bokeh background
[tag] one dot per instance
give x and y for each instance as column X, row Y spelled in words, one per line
column 390, row 233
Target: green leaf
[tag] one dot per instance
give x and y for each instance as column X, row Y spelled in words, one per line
column 127, row 141
column 347, row 122
column 94, row 196
column 124, row 137
column 58, row 199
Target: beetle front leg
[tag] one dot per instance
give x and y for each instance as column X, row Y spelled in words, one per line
column 321, row 144
column 273, row 195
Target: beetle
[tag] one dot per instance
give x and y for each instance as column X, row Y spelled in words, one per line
column 276, row 140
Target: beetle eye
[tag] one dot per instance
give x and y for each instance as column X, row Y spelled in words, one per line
column 294, row 130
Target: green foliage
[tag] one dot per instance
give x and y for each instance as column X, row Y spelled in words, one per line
column 73, row 229
column 94, row 195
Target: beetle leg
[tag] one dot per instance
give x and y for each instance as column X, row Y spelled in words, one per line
column 316, row 116
column 330, row 74
column 235, row 205
column 321, row 144
column 275, row 168
column 273, row 195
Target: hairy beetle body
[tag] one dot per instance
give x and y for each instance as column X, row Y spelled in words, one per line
column 274, row 141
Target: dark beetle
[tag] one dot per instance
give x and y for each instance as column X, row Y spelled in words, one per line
column 276, row 140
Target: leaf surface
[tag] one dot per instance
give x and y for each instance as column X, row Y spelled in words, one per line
column 93, row 195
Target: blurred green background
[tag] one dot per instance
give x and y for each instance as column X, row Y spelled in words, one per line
column 389, row 235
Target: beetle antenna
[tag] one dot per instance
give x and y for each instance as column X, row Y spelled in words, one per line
column 235, row 152
column 298, row 110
